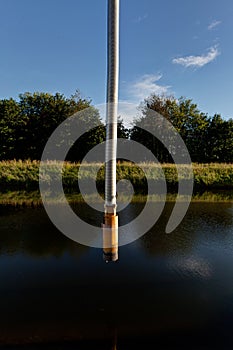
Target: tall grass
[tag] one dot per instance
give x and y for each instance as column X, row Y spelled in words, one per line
column 24, row 175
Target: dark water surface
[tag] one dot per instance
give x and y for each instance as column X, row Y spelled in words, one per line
column 166, row 291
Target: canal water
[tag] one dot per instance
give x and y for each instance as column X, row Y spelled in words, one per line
column 166, row 291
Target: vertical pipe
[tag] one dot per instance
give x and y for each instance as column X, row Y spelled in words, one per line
column 110, row 226
column 112, row 101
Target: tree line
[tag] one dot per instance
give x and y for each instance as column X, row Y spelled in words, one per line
column 208, row 139
column 27, row 123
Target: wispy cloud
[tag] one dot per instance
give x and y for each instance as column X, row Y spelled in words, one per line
column 141, row 18
column 198, row 61
column 126, row 110
column 145, row 85
column 214, row 24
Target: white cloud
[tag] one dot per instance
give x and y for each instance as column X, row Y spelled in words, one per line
column 145, row 86
column 141, row 18
column 126, row 110
column 134, row 93
column 214, row 24
column 198, row 61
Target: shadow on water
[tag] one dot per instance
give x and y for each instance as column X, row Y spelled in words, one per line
column 168, row 291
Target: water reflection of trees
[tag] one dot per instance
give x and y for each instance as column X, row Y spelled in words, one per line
column 214, row 220
column 30, row 231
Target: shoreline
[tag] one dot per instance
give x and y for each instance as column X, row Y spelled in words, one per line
column 33, row 199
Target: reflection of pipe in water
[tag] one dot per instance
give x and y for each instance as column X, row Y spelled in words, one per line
column 110, row 226
column 114, row 345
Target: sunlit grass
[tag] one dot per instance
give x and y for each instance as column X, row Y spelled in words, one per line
column 24, row 175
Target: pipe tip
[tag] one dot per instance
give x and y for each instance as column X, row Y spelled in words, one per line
column 110, row 257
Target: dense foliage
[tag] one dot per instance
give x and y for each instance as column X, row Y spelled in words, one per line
column 26, row 124
column 208, row 139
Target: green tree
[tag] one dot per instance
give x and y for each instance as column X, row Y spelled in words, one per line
column 89, row 119
column 122, row 131
column 220, row 140
column 95, row 136
column 10, row 123
column 183, row 114
column 43, row 112
column 26, row 125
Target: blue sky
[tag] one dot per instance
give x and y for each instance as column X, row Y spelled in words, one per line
column 179, row 47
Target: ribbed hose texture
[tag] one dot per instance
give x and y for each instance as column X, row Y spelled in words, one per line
column 112, row 102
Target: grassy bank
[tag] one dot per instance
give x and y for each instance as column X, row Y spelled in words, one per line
column 18, row 175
